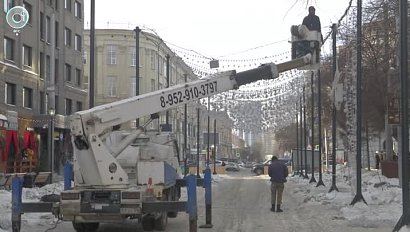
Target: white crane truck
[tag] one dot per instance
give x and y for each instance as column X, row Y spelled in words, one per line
column 134, row 175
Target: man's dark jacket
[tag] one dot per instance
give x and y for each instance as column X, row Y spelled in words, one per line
column 312, row 22
column 278, row 171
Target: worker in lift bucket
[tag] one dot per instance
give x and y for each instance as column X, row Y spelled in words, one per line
column 312, row 21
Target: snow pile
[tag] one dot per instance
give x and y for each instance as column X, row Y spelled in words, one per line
column 382, row 195
column 5, row 213
column 29, row 195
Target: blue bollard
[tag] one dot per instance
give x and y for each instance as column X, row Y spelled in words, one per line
column 68, row 175
column 208, row 186
column 208, row 198
column 16, row 203
column 191, row 202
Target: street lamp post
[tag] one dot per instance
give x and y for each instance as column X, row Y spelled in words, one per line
column 51, row 113
column 137, row 31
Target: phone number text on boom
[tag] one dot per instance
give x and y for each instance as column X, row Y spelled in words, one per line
column 188, row 94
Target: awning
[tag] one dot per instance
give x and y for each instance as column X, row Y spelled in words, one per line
column 3, row 117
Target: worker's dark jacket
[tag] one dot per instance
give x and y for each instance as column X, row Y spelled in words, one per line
column 312, row 22
column 278, row 171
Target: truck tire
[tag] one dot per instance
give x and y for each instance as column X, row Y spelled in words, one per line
column 173, row 196
column 85, row 227
column 147, row 223
column 259, row 171
column 161, row 222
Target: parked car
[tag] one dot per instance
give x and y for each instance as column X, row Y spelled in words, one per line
column 232, row 167
column 248, row 164
column 259, row 169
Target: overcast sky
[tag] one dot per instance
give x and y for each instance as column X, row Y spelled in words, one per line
column 216, row 28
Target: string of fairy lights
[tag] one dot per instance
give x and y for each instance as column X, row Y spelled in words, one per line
column 262, row 106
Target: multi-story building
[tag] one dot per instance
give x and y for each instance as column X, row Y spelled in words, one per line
column 41, row 70
column 115, row 63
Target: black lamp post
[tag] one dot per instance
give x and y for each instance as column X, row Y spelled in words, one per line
column 51, row 113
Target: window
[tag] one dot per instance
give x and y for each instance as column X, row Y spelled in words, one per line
column 152, row 85
column 56, row 69
column 27, row 97
column 111, row 54
column 57, row 108
column 42, row 67
column 161, row 65
column 77, row 42
column 133, row 57
column 8, row 4
column 29, row 9
column 110, row 86
column 42, row 103
column 27, row 55
column 78, row 76
column 48, row 68
column 67, row 5
column 10, row 94
column 79, row 106
column 48, row 29
column 84, row 56
column 42, row 31
column 77, row 9
column 153, row 60
column 67, row 37
column 56, row 32
column 133, row 86
column 8, row 49
column 67, row 73
column 68, row 106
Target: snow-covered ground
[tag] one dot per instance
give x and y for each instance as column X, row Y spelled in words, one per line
column 381, row 213
column 382, row 195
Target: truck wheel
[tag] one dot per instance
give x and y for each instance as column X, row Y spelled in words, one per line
column 172, row 196
column 91, row 227
column 172, row 214
column 85, row 227
column 259, row 172
column 161, row 222
column 147, row 223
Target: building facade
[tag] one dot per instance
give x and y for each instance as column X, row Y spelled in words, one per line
column 41, row 69
column 115, row 72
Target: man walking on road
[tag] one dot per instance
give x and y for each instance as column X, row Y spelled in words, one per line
column 278, row 173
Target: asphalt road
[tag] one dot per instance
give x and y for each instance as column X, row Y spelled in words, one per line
column 241, row 203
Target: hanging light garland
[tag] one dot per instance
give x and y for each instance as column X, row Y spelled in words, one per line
column 265, row 105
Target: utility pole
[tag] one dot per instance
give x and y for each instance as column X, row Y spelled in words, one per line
column 214, row 150
column 319, row 117
column 312, row 79
column 197, row 143
column 304, row 132
column 404, row 123
column 208, row 138
column 359, row 196
column 168, row 79
column 185, row 133
column 92, row 57
column 297, row 141
column 333, row 186
column 301, row 137
column 137, row 67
